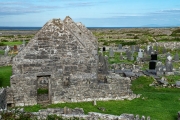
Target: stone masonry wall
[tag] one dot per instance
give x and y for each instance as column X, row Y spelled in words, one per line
column 5, row 60
column 84, row 89
column 59, row 49
column 3, row 103
column 63, row 56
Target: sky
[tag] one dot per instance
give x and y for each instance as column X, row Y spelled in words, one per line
column 92, row 13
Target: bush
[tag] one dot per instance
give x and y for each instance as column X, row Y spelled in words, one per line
column 4, row 40
column 2, row 44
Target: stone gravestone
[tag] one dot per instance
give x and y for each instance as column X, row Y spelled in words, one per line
column 120, row 46
column 169, row 66
column 121, row 56
column 164, row 50
column 130, row 56
column 140, row 53
column 105, row 65
column 6, row 50
column 159, row 69
column 156, row 46
column 150, row 50
column 137, row 48
column 148, row 47
column 152, row 65
column 111, row 52
column 176, row 57
column 132, row 48
column 24, row 43
column 101, row 58
column 168, row 54
column 153, row 56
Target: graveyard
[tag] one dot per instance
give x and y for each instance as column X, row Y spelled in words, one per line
column 148, row 57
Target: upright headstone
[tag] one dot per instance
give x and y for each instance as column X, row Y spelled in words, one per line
column 153, row 56
column 176, row 57
column 168, row 54
column 152, row 62
column 111, row 52
column 132, row 48
column 105, row 65
column 156, row 46
column 164, row 50
column 148, row 47
column 6, row 50
column 130, row 56
column 159, row 69
column 101, row 59
column 150, row 50
column 140, row 53
column 137, row 48
column 145, row 52
column 169, row 66
column 24, row 43
column 152, row 65
column 120, row 46
column 121, row 56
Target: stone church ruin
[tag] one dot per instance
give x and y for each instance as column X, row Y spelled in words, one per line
column 61, row 64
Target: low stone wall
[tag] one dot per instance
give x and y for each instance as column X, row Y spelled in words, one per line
column 69, row 114
column 3, row 98
column 169, row 45
column 5, row 60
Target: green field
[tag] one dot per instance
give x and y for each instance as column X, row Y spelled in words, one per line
column 13, row 43
column 5, row 73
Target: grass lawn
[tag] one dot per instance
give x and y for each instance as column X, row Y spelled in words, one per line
column 156, row 102
column 13, row 43
column 5, row 73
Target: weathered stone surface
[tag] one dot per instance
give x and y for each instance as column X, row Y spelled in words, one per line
column 5, row 60
column 3, row 104
column 62, row 60
column 177, row 84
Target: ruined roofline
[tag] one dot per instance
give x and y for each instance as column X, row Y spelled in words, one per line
column 80, row 26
